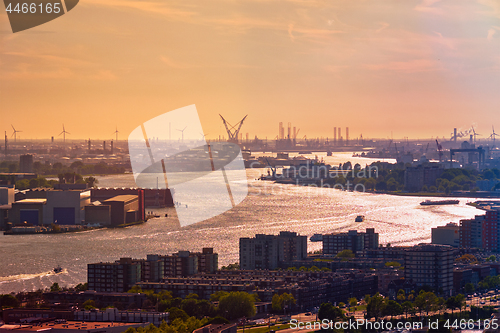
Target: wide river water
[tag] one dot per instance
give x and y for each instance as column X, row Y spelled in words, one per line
column 26, row 261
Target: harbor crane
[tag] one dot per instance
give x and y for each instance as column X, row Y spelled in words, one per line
column 232, row 131
column 440, row 150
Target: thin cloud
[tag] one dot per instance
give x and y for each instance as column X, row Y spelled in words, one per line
column 290, row 32
column 384, row 25
column 427, row 6
column 407, row 67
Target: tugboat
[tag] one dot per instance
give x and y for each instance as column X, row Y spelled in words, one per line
column 359, row 218
column 58, row 269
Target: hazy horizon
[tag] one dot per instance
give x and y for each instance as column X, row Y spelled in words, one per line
column 384, row 69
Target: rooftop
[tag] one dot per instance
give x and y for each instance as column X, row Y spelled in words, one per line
column 31, row 201
column 70, row 325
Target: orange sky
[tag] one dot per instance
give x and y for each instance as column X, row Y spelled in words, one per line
column 416, row 68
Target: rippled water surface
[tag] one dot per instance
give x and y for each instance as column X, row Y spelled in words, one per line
column 26, row 261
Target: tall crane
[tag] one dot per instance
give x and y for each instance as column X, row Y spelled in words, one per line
column 232, row 131
column 440, row 151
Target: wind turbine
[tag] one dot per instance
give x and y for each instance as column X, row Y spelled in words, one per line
column 64, row 132
column 14, row 134
column 116, row 132
column 182, row 131
column 493, row 135
column 203, row 136
column 474, row 131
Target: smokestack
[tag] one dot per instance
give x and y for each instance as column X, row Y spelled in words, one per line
column 289, row 131
column 280, row 130
column 104, row 146
column 89, row 145
column 335, row 135
column 111, row 146
column 247, row 137
column 52, row 139
column 455, row 134
column 5, row 151
column 347, row 135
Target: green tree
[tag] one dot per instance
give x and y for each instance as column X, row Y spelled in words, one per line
column 8, row 301
column 81, row 287
column 393, row 264
column 392, row 308
column 469, row 288
column 426, row 301
column 353, row 301
column 89, row 304
column 237, row 304
column 330, row 312
column 55, row 287
column 375, row 306
column 407, row 307
column 345, row 254
column 91, row 181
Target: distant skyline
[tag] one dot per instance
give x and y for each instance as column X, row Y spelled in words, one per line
column 414, row 68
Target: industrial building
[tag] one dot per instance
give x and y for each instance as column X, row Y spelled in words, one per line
column 28, row 210
column 152, row 197
column 351, row 240
column 123, row 209
column 268, row 251
column 7, row 197
column 47, row 206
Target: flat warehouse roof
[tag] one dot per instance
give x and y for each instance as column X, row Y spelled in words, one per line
column 122, row 198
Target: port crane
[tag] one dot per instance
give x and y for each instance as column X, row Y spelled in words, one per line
column 232, row 131
column 440, row 150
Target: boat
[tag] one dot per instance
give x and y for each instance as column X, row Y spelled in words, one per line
column 359, row 218
column 316, row 238
column 58, row 269
column 439, row 202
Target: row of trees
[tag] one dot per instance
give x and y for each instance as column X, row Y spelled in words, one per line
column 57, row 168
column 66, row 178
column 230, row 305
column 378, row 306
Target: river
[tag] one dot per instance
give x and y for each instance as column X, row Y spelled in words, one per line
column 26, row 261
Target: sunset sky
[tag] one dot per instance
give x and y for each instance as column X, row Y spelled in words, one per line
column 413, row 68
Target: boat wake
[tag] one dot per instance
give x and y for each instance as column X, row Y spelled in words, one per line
column 21, row 277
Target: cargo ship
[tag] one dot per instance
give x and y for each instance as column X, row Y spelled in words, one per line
column 439, row 202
